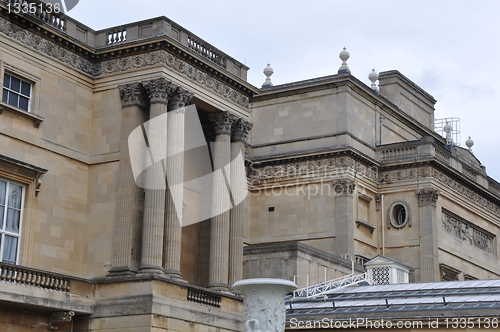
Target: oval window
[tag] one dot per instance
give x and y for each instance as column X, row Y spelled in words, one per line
column 399, row 214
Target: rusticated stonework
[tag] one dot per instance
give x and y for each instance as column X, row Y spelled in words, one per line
column 159, row 90
column 332, row 165
column 145, row 60
column 133, row 94
column 427, row 196
column 223, row 122
column 241, row 130
column 344, row 186
column 46, row 47
column 468, row 234
column 180, row 99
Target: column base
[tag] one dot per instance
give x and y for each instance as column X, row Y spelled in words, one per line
column 219, row 287
column 174, row 274
column 150, row 269
column 120, row 272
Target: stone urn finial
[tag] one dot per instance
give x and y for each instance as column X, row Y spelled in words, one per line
column 268, row 71
column 264, row 303
column 344, row 56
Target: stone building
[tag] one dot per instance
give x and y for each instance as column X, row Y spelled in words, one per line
column 338, row 172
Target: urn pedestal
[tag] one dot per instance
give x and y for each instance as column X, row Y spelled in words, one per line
column 264, row 303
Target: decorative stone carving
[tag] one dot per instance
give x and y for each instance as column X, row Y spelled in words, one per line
column 468, row 234
column 133, row 94
column 159, row 90
column 241, row 130
column 48, row 48
column 180, row 98
column 344, row 186
column 427, row 196
column 264, row 303
column 405, row 174
column 223, row 122
column 59, row 317
column 335, row 165
column 163, row 58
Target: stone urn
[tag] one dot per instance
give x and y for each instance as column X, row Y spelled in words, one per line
column 264, row 303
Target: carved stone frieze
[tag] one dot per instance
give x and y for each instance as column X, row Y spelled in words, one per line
column 133, row 94
column 405, row 174
column 223, row 122
column 466, row 192
column 344, row 186
column 145, row 60
column 241, row 130
column 180, row 98
column 468, row 234
column 48, row 48
column 159, row 90
column 162, row 57
column 334, row 166
column 427, row 196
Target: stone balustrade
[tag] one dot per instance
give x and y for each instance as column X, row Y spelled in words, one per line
column 39, row 10
column 160, row 27
column 204, row 297
column 27, row 276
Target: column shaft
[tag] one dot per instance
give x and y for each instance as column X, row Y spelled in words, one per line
column 429, row 260
column 344, row 215
column 154, row 202
column 129, row 207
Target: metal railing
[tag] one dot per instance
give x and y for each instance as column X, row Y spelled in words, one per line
column 324, row 287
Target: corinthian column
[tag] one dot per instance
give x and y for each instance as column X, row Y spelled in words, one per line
column 159, row 91
column 126, row 235
column 175, row 179
column 429, row 260
column 239, row 214
column 221, row 203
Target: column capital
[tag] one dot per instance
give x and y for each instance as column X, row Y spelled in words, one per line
column 241, row 130
column 180, row 98
column 133, row 94
column 223, row 122
column 159, row 90
column 427, row 196
column 344, row 187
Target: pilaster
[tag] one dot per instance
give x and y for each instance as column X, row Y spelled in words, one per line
column 344, row 217
column 429, row 260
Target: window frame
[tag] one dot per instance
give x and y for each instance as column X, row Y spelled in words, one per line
column 18, row 93
column 3, row 223
column 34, row 102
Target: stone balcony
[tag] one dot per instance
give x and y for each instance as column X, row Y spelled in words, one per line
column 160, row 27
column 458, row 158
column 109, row 303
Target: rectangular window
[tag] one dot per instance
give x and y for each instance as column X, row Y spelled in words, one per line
column 16, row 92
column 11, row 203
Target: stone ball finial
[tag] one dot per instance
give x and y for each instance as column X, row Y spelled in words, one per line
column 268, row 71
column 469, row 143
column 373, row 77
column 344, row 56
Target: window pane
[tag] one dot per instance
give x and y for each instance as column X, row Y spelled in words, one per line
column 5, row 95
column 3, row 189
column 15, row 84
column 6, row 80
column 13, row 218
column 23, row 103
column 25, row 88
column 13, row 99
column 15, row 195
column 10, row 249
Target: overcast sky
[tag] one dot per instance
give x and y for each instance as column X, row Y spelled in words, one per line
column 450, row 48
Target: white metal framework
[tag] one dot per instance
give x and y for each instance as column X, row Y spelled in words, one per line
column 326, row 287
